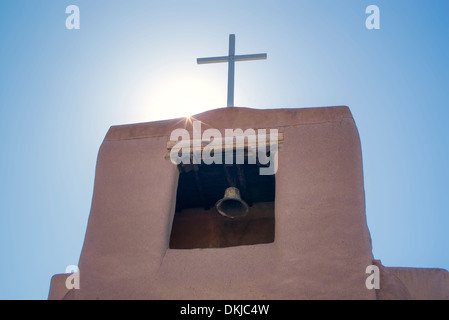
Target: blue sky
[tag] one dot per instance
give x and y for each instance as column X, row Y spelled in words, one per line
column 135, row 61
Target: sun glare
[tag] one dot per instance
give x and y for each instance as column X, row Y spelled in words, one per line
column 182, row 97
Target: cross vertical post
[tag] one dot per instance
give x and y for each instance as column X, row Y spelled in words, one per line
column 231, row 59
column 231, row 70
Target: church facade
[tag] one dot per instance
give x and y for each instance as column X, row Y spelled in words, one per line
column 154, row 231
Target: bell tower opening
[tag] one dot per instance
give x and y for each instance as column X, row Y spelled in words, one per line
column 220, row 205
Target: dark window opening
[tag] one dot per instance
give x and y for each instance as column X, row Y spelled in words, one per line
column 198, row 224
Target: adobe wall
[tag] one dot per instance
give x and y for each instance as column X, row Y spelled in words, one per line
column 322, row 244
column 424, row 283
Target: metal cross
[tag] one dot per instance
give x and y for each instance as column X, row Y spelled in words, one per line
column 231, row 59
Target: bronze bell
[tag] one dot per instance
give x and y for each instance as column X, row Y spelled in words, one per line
column 232, row 206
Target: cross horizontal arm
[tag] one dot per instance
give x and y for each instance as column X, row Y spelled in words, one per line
column 246, row 57
column 212, row 60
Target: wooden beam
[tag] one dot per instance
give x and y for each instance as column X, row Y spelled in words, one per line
column 229, row 175
column 243, row 185
column 200, row 187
